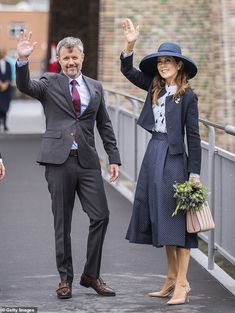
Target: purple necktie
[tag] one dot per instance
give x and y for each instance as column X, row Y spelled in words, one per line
column 76, row 98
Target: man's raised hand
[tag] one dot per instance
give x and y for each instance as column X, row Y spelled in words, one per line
column 25, row 46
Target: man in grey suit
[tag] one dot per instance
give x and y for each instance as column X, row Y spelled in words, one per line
column 72, row 104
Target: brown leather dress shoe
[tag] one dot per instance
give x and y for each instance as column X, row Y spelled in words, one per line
column 64, row 291
column 97, row 284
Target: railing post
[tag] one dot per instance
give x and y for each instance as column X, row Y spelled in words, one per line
column 117, row 111
column 135, row 113
column 211, row 196
column 116, row 127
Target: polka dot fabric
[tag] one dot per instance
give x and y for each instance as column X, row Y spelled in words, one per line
column 152, row 221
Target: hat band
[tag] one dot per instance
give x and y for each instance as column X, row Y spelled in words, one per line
column 162, row 51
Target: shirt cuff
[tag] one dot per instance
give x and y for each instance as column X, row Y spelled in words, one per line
column 21, row 63
column 194, row 175
column 125, row 54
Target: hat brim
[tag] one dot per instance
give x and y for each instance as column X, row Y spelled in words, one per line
column 148, row 65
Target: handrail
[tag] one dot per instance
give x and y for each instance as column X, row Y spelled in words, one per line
column 126, row 95
column 229, row 129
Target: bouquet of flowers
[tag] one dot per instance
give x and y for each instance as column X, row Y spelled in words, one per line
column 189, row 196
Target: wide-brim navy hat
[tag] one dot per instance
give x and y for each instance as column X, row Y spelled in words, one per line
column 148, row 64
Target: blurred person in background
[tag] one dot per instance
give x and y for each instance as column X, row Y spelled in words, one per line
column 5, row 88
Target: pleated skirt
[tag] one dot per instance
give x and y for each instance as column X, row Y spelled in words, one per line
column 152, row 221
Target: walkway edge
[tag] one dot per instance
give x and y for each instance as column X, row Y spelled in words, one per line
column 227, row 281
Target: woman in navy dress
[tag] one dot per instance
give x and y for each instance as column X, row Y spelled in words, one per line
column 170, row 111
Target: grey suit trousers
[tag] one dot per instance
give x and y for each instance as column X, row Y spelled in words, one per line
column 64, row 181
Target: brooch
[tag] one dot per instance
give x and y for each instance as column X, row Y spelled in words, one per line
column 177, row 100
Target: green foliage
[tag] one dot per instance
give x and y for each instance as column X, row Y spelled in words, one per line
column 189, row 196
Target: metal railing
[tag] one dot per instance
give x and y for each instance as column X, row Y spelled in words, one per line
column 218, row 168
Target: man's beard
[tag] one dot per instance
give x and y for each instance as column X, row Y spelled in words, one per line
column 73, row 72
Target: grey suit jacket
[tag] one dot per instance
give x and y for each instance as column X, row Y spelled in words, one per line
column 52, row 90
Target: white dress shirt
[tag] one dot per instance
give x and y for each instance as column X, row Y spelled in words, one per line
column 3, row 66
column 84, row 96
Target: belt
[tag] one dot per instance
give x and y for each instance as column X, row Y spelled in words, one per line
column 159, row 136
column 73, row 153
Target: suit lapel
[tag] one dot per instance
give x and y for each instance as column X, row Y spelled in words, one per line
column 173, row 112
column 91, row 89
column 64, row 84
column 146, row 119
column 173, row 104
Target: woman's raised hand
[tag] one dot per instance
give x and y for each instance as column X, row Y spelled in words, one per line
column 130, row 32
column 25, row 46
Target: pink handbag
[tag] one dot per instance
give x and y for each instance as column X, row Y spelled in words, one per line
column 199, row 221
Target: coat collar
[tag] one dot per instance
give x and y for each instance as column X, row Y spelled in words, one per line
column 146, row 118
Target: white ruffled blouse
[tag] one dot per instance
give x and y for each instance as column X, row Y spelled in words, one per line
column 159, row 110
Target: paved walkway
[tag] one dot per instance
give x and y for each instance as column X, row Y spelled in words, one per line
column 28, row 276
column 26, row 117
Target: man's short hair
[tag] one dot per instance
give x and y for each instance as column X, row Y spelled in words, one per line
column 69, row 43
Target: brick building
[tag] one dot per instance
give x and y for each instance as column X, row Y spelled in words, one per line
column 204, row 29
column 15, row 16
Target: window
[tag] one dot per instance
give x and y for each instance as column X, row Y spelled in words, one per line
column 15, row 28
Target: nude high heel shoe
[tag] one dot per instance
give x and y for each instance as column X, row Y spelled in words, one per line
column 166, row 290
column 181, row 294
